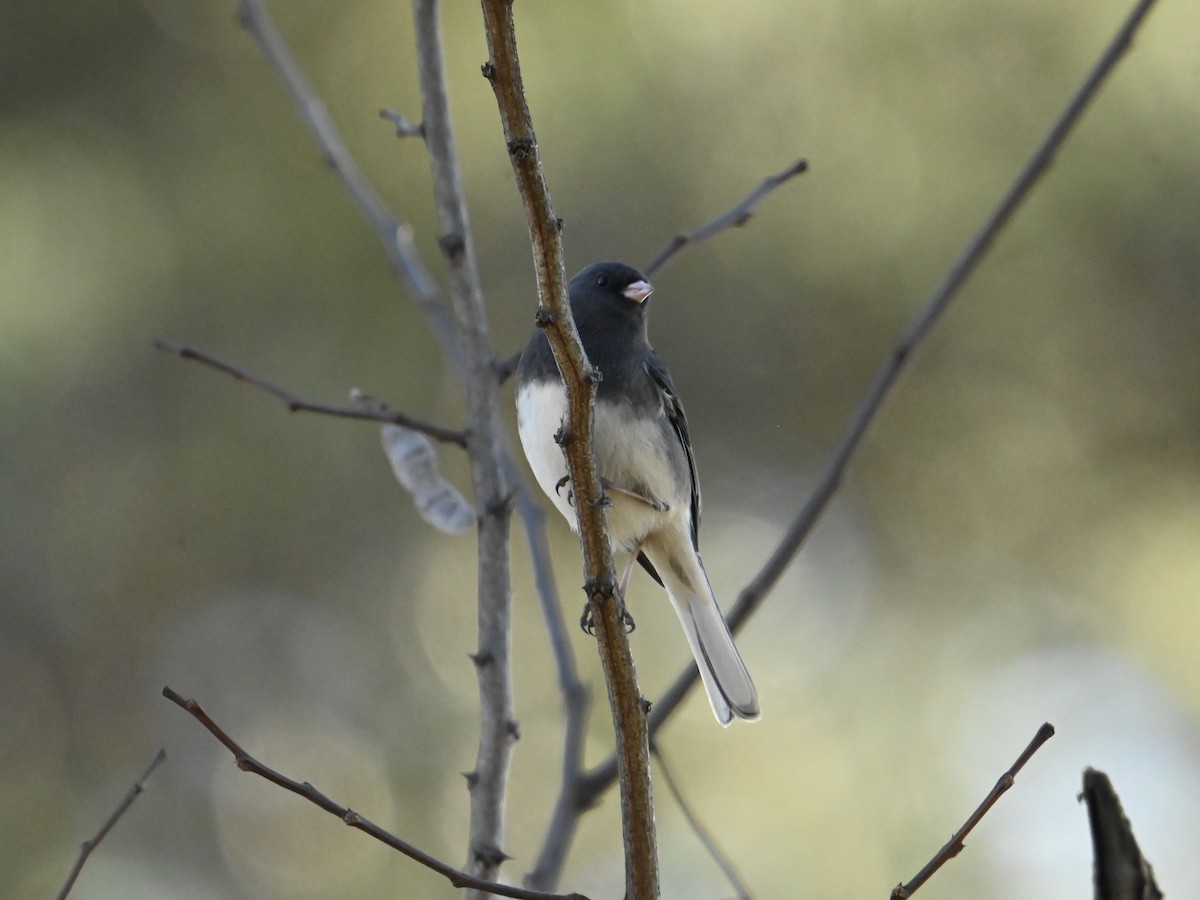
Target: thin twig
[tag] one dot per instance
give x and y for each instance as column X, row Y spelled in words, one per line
column 724, row 863
column 736, row 217
column 972, row 254
column 295, row 403
column 88, row 846
column 395, row 236
column 560, row 831
column 248, row 763
column 503, row 71
column 404, row 128
column 498, row 730
column 955, row 845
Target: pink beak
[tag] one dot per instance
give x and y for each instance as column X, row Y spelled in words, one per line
column 638, row 291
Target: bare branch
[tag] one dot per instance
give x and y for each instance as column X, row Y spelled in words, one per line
column 248, row 763
column 397, row 239
column 295, row 403
column 705, row 836
column 404, row 128
column 1121, row 872
column 503, row 71
column 889, row 371
column 498, row 730
column 564, row 820
column 955, row 845
column 736, row 217
column 88, row 846
column 395, row 236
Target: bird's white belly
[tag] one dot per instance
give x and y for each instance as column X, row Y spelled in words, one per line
column 629, row 453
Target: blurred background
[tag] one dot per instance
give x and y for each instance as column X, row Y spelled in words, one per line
column 1017, row 541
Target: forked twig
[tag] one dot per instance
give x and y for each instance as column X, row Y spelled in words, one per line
column 295, row 403
column 955, row 845
column 736, row 217
column 89, row 845
column 248, row 763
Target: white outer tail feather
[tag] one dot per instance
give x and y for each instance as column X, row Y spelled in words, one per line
column 728, row 684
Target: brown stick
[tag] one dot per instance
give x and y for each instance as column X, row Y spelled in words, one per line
column 88, row 846
column 736, row 217
column 629, row 719
column 954, row 846
column 296, row 403
column 248, row 763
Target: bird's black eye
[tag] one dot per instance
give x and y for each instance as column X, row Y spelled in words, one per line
column 602, row 281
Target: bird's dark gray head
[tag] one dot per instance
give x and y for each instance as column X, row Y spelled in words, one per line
column 608, row 301
column 611, row 282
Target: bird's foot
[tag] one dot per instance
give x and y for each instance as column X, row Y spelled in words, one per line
column 587, row 620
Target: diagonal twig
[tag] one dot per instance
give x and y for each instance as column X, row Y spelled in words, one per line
column 736, row 217
column 395, row 235
column 295, row 403
column 889, row 371
column 724, row 863
column 248, row 763
column 955, row 845
column 89, row 845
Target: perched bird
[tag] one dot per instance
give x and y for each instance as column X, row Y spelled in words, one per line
column 645, row 461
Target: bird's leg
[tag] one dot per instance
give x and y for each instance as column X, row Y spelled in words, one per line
column 653, row 502
column 625, row 576
column 587, row 621
column 626, row 618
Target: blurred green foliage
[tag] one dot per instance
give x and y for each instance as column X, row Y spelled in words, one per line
column 1017, row 540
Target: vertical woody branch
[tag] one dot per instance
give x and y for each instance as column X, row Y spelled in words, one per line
column 629, row 719
column 498, row 727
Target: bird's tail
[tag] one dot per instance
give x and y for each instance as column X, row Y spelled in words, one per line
column 728, row 684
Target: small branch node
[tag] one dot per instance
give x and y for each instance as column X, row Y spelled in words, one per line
column 404, row 128
column 543, row 318
column 489, row 70
column 504, row 368
column 502, row 506
column 489, row 856
column 600, row 591
column 452, row 246
column 520, row 149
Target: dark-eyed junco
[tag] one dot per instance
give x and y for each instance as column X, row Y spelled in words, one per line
column 644, row 457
